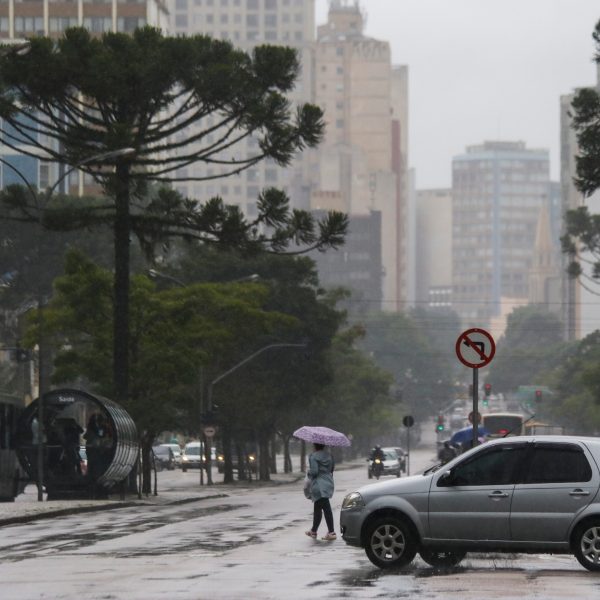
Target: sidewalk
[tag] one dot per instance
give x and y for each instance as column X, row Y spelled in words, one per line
column 26, row 507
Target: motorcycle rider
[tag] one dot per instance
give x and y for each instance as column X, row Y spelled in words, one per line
column 376, row 468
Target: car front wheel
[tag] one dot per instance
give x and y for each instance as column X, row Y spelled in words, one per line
column 587, row 545
column 439, row 558
column 390, row 543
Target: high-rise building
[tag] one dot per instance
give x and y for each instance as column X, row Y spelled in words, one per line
column 434, row 248
column 498, row 190
column 24, row 18
column 580, row 313
column 247, row 23
column 362, row 162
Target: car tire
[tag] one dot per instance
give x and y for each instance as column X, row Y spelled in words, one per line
column 441, row 558
column 390, row 543
column 587, row 545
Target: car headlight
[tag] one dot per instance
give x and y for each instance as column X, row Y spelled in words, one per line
column 251, row 458
column 353, row 500
column 185, row 458
column 220, row 458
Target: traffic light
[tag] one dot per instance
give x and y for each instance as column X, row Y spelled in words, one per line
column 487, row 389
column 538, row 395
column 440, row 423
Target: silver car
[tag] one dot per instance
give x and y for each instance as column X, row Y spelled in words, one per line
column 519, row 494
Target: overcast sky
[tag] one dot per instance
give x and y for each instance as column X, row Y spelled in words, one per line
column 483, row 70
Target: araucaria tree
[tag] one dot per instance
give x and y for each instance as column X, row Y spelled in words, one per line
column 582, row 228
column 71, row 99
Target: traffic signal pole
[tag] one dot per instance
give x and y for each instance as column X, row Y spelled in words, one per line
column 475, row 407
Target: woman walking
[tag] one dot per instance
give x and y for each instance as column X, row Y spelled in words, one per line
column 320, row 473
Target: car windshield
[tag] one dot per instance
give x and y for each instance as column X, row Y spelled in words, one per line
column 193, row 450
column 161, row 451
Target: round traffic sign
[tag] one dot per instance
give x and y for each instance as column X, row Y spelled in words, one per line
column 209, row 431
column 475, row 348
column 472, row 415
column 408, row 421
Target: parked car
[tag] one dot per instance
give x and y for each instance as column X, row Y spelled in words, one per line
column 193, row 456
column 163, row 458
column 391, row 463
column 518, row 494
column 250, row 457
column 176, row 449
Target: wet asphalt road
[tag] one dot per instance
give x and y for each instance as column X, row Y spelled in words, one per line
column 248, row 543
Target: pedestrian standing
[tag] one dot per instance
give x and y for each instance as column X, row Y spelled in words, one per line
column 320, row 473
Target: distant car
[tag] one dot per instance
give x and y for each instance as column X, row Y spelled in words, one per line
column 163, row 458
column 391, row 463
column 251, row 463
column 516, row 494
column 176, row 449
column 193, row 456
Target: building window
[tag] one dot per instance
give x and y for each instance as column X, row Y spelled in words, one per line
column 251, row 20
column 270, row 20
column 298, row 36
column 270, row 4
column 224, row 19
column 210, row 18
column 181, row 4
column 58, row 24
column 97, row 24
column 129, row 24
column 252, row 4
column 181, row 21
column 270, row 35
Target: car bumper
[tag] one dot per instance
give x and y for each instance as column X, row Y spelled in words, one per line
column 350, row 526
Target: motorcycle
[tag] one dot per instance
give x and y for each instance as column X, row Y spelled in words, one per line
column 376, row 468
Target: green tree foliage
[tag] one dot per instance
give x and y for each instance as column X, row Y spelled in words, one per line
column 583, row 228
column 75, row 97
column 276, row 390
column 531, row 345
column 173, row 333
column 575, row 403
column 420, row 368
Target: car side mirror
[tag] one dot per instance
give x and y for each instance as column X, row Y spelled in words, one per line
column 446, row 480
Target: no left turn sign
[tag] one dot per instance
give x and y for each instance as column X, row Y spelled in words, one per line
column 475, row 348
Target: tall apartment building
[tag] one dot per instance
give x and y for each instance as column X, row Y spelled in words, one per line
column 434, row 248
column 498, row 190
column 247, row 23
column 362, row 163
column 580, row 314
column 23, row 18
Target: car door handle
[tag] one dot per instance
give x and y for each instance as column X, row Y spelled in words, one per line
column 498, row 494
column 579, row 493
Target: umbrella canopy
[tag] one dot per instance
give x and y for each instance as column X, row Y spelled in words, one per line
column 321, row 435
column 466, row 434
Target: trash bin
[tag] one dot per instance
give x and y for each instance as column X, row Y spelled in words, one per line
column 90, row 443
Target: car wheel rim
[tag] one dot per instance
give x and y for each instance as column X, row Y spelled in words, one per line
column 590, row 545
column 388, row 543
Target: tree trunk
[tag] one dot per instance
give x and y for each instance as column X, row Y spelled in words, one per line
column 147, row 462
column 303, row 456
column 273, row 454
column 121, row 288
column 263, row 465
column 287, row 458
column 228, row 462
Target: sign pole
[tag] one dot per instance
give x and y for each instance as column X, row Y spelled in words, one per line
column 475, row 407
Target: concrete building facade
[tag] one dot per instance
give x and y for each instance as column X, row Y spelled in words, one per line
column 434, row 248
column 579, row 297
column 498, row 190
column 363, row 159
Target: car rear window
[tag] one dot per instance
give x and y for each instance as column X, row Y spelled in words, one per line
column 558, row 463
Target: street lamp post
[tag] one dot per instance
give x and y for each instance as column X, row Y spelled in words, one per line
column 42, row 379
column 209, row 402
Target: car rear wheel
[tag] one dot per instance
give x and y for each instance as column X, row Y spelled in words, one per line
column 587, row 545
column 441, row 558
column 390, row 543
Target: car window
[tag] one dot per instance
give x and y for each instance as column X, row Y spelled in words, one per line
column 390, row 456
column 558, row 463
column 496, row 466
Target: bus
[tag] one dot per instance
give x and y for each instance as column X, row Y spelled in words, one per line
column 502, row 424
column 12, row 481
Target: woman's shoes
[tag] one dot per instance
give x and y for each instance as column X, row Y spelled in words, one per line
column 330, row 536
column 312, row 534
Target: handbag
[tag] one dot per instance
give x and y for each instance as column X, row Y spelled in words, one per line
column 307, row 487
